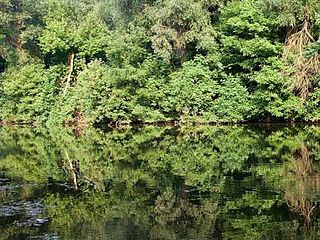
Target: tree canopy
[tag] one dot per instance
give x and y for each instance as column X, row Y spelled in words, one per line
column 122, row 61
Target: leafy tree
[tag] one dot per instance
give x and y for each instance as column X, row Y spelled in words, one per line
column 29, row 94
column 179, row 29
column 121, row 61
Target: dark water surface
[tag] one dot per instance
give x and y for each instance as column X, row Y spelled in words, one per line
column 229, row 182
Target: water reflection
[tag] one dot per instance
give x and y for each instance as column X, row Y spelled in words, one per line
column 160, row 183
column 303, row 184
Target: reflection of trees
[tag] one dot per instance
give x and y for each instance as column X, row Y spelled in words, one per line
column 177, row 215
column 263, row 213
column 171, row 213
column 136, row 172
column 302, row 184
column 72, row 170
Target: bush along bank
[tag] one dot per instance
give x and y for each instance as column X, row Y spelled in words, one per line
column 146, row 61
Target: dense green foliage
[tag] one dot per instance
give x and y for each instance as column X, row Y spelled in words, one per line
column 164, row 183
column 111, row 61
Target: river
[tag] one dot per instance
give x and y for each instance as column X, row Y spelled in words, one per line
column 204, row 182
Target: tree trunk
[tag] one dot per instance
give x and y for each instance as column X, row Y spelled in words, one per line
column 70, row 64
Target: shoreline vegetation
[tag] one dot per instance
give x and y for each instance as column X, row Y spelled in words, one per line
column 172, row 123
column 121, row 62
